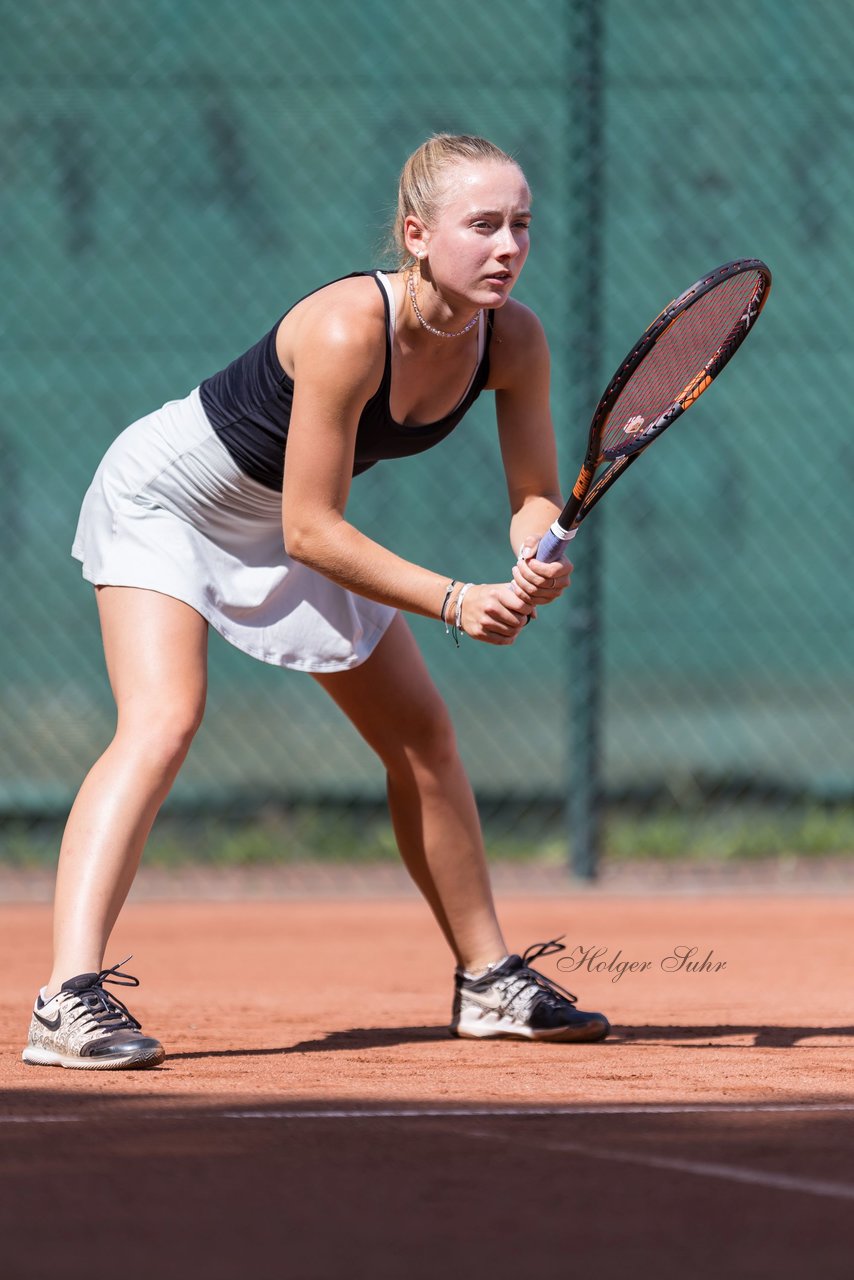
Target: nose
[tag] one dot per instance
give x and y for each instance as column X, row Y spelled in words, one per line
column 508, row 245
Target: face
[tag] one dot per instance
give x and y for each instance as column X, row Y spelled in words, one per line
column 479, row 241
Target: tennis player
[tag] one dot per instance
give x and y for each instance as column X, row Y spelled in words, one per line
column 228, row 509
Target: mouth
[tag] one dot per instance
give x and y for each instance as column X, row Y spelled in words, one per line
column 499, row 278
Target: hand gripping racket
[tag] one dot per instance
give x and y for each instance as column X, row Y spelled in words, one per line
column 667, row 370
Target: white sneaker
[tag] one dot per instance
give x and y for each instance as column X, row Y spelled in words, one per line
column 513, row 1000
column 86, row 1027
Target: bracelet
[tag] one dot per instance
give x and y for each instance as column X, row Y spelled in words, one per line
column 458, row 616
column 450, row 627
column 451, row 586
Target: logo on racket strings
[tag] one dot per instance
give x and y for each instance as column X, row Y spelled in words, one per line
column 634, row 426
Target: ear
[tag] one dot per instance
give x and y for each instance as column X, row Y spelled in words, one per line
column 416, row 237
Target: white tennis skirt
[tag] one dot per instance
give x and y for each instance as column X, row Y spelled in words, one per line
column 168, row 510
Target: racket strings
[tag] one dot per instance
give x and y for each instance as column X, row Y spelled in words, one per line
column 675, row 369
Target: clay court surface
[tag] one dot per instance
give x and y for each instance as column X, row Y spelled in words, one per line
column 314, row 1119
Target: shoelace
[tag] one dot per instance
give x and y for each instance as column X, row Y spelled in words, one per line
column 102, row 1006
column 538, row 988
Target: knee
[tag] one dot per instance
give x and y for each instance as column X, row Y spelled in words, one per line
column 425, row 741
column 161, row 735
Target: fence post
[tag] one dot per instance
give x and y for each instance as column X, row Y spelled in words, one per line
column 586, row 265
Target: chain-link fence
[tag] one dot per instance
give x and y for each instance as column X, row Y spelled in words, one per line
column 177, row 172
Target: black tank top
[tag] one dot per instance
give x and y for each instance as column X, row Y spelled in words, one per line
column 249, row 407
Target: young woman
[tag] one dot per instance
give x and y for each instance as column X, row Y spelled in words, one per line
column 228, row 508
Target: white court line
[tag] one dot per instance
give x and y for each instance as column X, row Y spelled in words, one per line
column 699, row 1168
column 431, row 1113
column 474, row 1113
column 41, row 1119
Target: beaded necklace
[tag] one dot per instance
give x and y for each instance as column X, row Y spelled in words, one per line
column 439, row 333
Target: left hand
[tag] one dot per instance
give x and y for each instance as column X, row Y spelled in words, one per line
column 536, row 582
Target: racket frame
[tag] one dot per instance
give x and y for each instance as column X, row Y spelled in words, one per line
column 585, row 494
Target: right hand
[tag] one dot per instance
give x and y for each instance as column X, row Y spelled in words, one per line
column 494, row 613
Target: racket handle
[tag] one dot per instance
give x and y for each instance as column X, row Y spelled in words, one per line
column 553, row 543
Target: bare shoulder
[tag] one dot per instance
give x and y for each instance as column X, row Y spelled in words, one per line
column 343, row 323
column 518, row 347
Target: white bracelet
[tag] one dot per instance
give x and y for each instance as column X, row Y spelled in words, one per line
column 458, row 617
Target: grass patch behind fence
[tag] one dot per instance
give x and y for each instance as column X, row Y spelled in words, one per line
column 330, row 833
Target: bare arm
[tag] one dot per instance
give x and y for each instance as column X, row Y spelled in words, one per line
column 522, row 396
column 338, row 364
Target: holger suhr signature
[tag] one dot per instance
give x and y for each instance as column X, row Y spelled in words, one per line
column 681, row 959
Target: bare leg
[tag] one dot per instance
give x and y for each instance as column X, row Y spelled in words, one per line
column 394, row 704
column 156, row 652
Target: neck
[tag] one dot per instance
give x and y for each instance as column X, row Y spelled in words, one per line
column 425, row 324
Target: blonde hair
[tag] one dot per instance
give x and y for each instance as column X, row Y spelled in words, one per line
column 423, row 181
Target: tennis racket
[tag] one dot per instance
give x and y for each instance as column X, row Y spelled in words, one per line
column 666, row 371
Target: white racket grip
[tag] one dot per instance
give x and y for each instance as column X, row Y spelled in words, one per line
column 553, row 543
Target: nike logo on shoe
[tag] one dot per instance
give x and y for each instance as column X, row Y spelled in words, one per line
column 51, row 1024
column 492, row 1000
